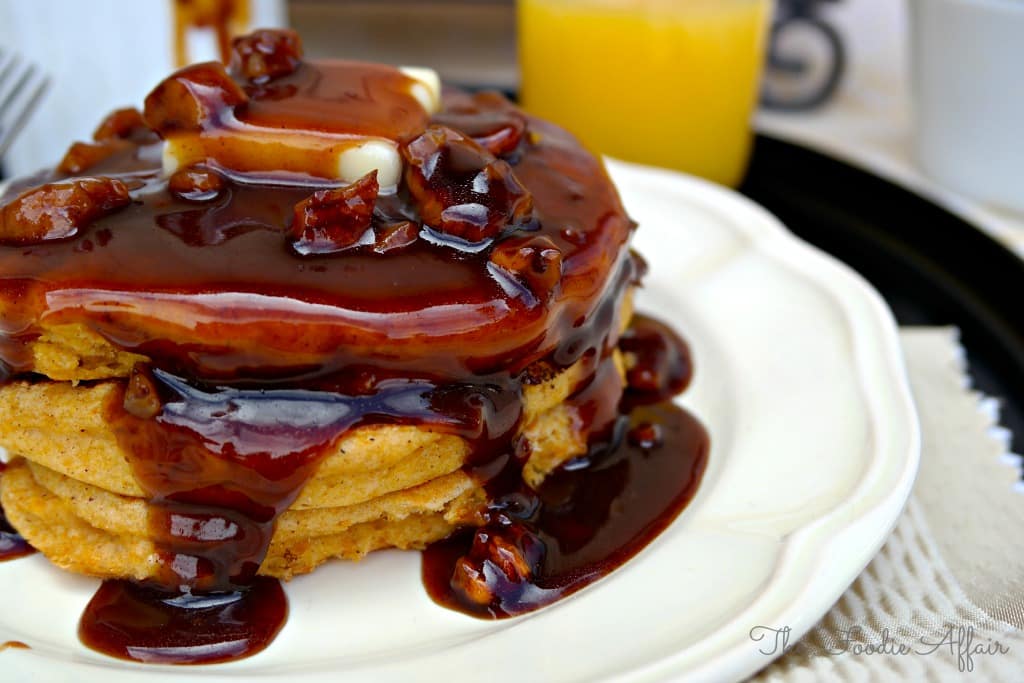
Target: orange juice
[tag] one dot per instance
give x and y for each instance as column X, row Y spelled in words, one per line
column 664, row 82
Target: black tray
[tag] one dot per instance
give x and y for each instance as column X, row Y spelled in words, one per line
column 932, row 267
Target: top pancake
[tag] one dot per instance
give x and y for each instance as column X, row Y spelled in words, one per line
column 210, row 289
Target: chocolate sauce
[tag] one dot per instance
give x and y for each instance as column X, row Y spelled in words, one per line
column 278, row 311
column 658, row 360
column 594, row 512
column 147, row 624
column 587, row 519
column 12, row 545
column 220, row 465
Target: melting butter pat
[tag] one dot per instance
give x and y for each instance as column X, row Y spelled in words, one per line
column 250, row 142
column 427, row 86
column 254, row 152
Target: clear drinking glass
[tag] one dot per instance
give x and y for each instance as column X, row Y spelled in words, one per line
column 665, row 82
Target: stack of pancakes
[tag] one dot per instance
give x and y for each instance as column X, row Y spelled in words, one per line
column 456, row 240
column 70, row 490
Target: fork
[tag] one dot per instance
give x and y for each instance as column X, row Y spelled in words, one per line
column 22, row 88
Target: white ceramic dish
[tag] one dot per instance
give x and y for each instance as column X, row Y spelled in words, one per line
column 814, row 448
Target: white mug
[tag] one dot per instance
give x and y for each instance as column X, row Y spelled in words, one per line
column 101, row 55
column 967, row 60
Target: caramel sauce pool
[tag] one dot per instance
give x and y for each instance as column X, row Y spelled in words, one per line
column 588, row 518
column 149, row 624
column 594, row 512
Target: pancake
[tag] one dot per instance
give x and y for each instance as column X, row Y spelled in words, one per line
column 75, row 353
column 91, row 531
column 65, row 428
column 213, row 289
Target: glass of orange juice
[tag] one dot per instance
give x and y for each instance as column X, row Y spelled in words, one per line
column 663, row 82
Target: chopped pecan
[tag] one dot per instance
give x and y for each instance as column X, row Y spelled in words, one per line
column 122, row 129
column 395, row 236
column 266, row 54
column 333, row 220
column 59, row 210
column 196, row 184
column 489, row 119
column 122, row 124
column 82, row 156
column 461, row 189
column 191, row 98
column 140, row 395
column 498, row 132
column 535, row 262
column 509, row 558
column 468, row 580
column 501, row 559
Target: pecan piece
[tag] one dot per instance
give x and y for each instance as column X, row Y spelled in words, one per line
column 461, row 189
column 266, row 54
column 330, row 221
column 490, row 120
column 501, row 561
column 498, row 132
column 123, row 124
column 121, row 130
column 534, row 262
column 192, row 98
column 196, row 184
column 59, row 210
column 141, row 398
column 469, row 582
column 395, row 236
column 82, row 156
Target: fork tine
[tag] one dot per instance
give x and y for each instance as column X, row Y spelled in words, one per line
column 11, row 95
column 8, row 66
column 8, row 133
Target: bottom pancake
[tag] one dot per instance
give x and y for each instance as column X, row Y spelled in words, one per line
column 91, row 531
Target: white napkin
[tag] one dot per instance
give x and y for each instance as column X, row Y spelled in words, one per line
column 945, row 596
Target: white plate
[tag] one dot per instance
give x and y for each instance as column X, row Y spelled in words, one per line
column 814, row 447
